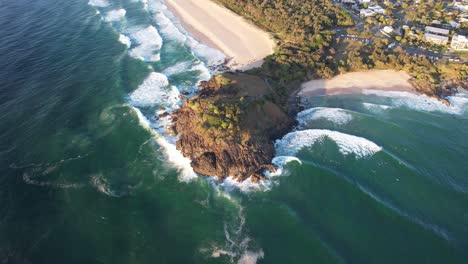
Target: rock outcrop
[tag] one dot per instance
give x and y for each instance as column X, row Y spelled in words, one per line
column 229, row 128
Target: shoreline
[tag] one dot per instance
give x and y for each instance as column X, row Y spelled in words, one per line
column 357, row 82
column 244, row 44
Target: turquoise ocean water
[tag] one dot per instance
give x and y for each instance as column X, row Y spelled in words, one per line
column 88, row 177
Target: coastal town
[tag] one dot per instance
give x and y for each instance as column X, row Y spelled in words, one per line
column 438, row 33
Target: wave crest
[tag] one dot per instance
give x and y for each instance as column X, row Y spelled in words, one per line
column 98, row 3
column 115, row 15
column 335, row 115
column 155, row 90
column 347, row 144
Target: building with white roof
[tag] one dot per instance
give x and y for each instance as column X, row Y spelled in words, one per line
column 436, row 39
column 377, row 9
column 366, row 12
column 459, row 42
column 438, row 31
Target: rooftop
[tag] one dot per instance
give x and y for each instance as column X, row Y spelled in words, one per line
column 434, row 36
column 437, row 30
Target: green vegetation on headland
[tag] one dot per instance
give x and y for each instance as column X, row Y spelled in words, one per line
column 228, row 129
column 308, row 47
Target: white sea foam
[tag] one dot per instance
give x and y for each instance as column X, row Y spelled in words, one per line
column 185, row 66
column 173, row 156
column 251, row 257
column 99, row 3
column 236, row 243
column 208, row 54
column 335, row 115
column 125, row 40
column 168, row 28
column 280, row 162
column 31, row 179
column 154, row 6
column 422, row 102
column 102, row 185
column 230, row 184
column 115, row 15
column 293, row 142
column 179, row 67
column 149, row 43
column 376, row 107
column 171, row 28
column 155, row 90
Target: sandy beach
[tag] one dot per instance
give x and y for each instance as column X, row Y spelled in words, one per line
column 356, row 82
column 219, row 27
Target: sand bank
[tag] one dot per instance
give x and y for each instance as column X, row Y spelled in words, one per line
column 356, row 82
column 219, row 27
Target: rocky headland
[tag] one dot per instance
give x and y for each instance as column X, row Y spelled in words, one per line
column 228, row 129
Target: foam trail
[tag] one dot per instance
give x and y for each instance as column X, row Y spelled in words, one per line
column 98, row 3
column 250, row 257
column 149, row 42
column 335, row 115
column 293, row 142
column 236, row 243
column 102, row 185
column 115, row 15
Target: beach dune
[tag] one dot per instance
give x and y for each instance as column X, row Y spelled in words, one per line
column 356, row 82
column 244, row 43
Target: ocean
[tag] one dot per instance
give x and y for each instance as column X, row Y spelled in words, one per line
column 89, row 176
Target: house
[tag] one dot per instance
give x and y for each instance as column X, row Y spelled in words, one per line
column 459, row 42
column 352, row 2
column 454, row 24
column 461, row 6
column 377, row 9
column 436, row 39
column 372, row 10
column 387, row 30
column 364, row 1
column 437, row 31
column 366, row 13
column 436, row 35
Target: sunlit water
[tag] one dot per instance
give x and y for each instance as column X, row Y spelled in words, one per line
column 88, row 175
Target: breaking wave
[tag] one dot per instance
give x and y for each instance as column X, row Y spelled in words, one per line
column 149, row 43
column 293, row 142
column 377, row 108
column 337, row 116
column 155, row 90
column 99, row 3
column 125, row 40
column 173, row 156
column 419, row 102
column 171, row 28
column 115, row 15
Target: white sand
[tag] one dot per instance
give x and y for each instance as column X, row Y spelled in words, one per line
column 217, row 26
column 356, row 82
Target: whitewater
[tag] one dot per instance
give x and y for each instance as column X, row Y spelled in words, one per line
column 86, row 92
